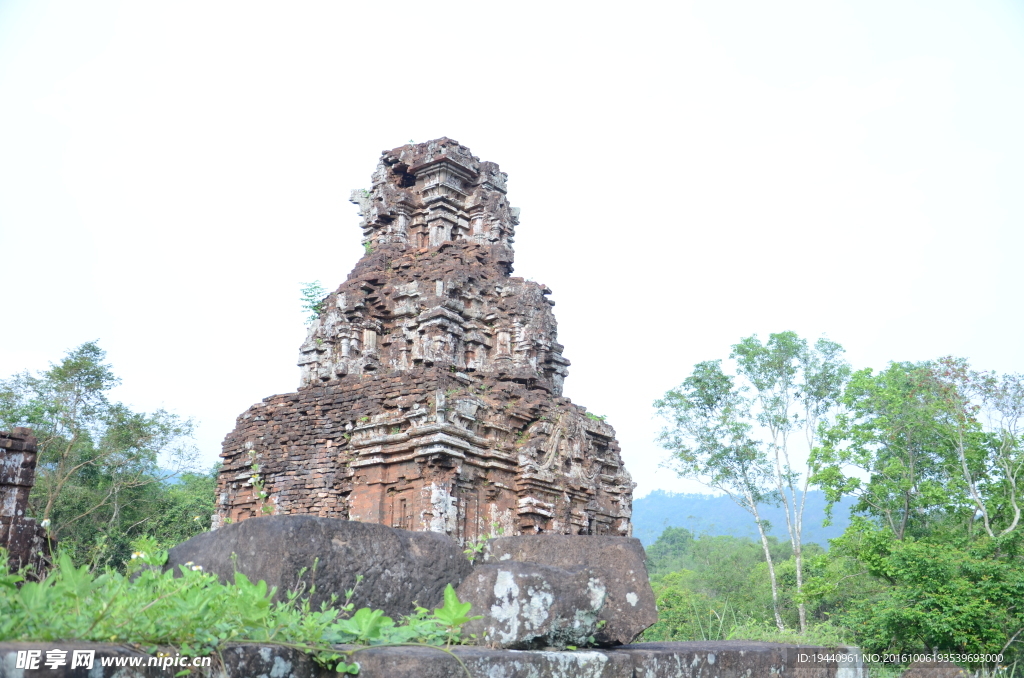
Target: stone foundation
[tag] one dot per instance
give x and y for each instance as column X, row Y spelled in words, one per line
column 727, row 659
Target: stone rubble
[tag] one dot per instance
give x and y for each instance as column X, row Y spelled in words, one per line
column 431, row 382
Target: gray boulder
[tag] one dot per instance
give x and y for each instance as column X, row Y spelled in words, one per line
column 531, row 607
column 399, row 568
column 618, row 561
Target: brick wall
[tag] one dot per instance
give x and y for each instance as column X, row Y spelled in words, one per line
column 24, row 539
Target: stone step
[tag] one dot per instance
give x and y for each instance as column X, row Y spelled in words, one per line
column 725, row 659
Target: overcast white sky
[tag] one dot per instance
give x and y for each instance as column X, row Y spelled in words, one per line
column 689, row 173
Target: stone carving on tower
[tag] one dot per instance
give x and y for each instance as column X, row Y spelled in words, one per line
column 430, row 395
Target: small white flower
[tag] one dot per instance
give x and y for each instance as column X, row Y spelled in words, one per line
column 138, row 554
column 196, row 519
column 45, row 523
column 197, row 568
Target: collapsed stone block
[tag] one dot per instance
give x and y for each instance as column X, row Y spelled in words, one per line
column 531, row 607
column 619, row 563
column 399, row 568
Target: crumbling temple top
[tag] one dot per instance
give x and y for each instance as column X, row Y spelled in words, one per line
column 430, row 395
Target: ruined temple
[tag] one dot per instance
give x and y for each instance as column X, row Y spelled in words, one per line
column 27, row 542
column 431, row 381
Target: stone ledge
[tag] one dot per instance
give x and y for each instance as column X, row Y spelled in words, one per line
column 727, row 659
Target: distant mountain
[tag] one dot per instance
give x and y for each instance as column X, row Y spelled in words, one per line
column 719, row 515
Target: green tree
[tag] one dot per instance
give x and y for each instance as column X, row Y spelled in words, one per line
column 100, row 464
column 737, row 433
column 796, row 387
column 933, row 453
column 710, row 439
column 887, row 450
column 671, row 552
column 184, row 508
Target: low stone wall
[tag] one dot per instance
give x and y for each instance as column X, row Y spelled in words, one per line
column 728, row 659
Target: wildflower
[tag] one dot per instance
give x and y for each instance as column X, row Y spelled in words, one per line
column 138, row 554
column 197, row 568
column 196, row 519
column 45, row 523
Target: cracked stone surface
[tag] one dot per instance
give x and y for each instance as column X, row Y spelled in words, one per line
column 430, row 394
column 526, row 606
column 399, row 568
column 619, row 564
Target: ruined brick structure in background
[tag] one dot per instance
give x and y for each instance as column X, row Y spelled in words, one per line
column 431, row 386
column 26, row 540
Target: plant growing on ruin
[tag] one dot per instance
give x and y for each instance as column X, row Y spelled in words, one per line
column 313, row 299
column 256, row 482
column 454, row 613
column 596, row 417
column 474, row 547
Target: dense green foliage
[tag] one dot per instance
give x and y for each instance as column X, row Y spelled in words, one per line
column 191, row 610
column 933, row 453
column 936, row 594
column 932, row 456
column 716, row 587
column 105, row 474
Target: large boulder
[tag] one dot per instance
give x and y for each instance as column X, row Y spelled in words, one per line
column 619, row 563
column 531, row 607
column 399, row 568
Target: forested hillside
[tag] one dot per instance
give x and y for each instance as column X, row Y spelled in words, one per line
column 720, row 516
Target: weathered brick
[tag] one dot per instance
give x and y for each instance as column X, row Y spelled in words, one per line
column 436, row 377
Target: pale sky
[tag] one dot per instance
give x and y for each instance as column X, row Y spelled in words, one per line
column 689, row 173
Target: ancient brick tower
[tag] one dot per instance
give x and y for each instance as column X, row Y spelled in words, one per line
column 431, row 386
